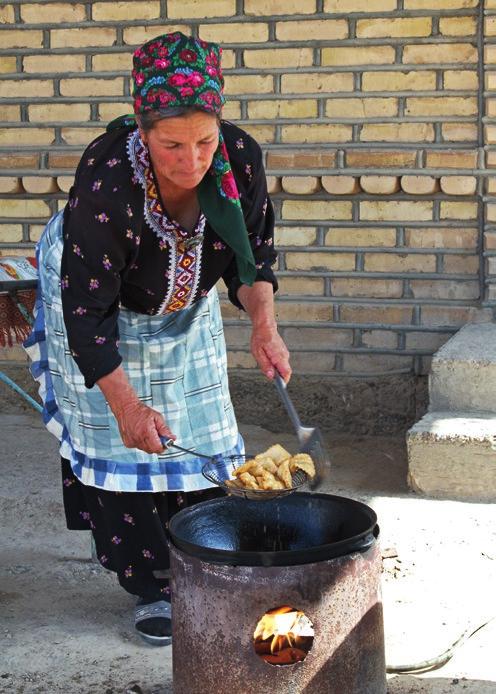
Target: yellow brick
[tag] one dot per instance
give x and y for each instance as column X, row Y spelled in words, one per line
column 301, row 159
column 24, row 88
column 295, row 236
column 21, row 38
column 305, row 83
column 240, row 360
column 35, row 231
column 399, row 81
column 38, row 185
column 53, row 63
column 317, row 337
column 108, row 112
column 79, row 38
column 316, row 209
column 112, row 62
column 59, row 112
column 314, row 30
column 283, row 108
column 8, row 64
column 458, row 26
column 310, row 286
column 419, row 185
column 451, row 159
column 490, row 26
column 382, row 237
column 231, row 110
column 376, row 314
column 300, row 185
column 458, row 185
column 431, row 341
column 441, row 237
column 316, row 133
column 127, row 11
column 458, row 210
column 380, row 185
column 397, row 132
column 375, row 363
column 374, row 289
column 137, row 35
column 400, row 262
column 459, row 132
column 359, row 55
column 491, row 185
column 369, row 107
column 11, row 137
column 441, row 106
column 320, row 261
column 278, row 57
column 491, row 213
column 491, row 80
column 92, row 87
column 359, row 6
column 379, row 338
column 249, row 84
column 303, row 310
column 230, row 33
column 396, row 210
column 369, row 158
column 461, row 79
column 261, row 133
column 341, row 185
column 64, row 183
column 273, row 185
column 228, row 59
column 7, row 15
column 80, row 136
column 24, row 208
column 490, row 54
column 59, row 12
column 19, row 161
column 9, row 184
column 490, row 134
column 178, row 9
column 9, row 113
column 491, row 108
column 378, row 28
column 287, row 7
column 10, row 233
column 461, row 264
column 439, row 4
column 440, row 53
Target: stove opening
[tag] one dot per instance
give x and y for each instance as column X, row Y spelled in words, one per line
column 283, row 636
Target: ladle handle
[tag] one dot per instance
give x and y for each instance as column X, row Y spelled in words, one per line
column 287, row 402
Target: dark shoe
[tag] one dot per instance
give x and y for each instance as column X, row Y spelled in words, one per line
column 153, row 622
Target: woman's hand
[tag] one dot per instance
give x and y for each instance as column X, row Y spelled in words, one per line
column 140, row 427
column 270, row 352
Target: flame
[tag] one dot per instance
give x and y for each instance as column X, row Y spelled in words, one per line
column 285, row 625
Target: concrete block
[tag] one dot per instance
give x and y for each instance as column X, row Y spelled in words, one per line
column 452, row 455
column 463, row 375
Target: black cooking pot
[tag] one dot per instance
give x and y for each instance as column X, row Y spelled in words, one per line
column 298, row 529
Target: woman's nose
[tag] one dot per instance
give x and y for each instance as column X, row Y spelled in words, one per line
column 191, row 157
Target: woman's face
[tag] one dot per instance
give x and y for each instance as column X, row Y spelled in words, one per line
column 181, row 149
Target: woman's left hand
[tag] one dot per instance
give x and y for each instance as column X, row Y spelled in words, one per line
column 270, row 352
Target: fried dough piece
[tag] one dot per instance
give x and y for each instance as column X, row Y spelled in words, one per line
column 267, row 464
column 249, row 482
column 284, row 474
column 269, row 481
column 302, row 461
column 246, row 467
column 276, row 452
column 234, row 484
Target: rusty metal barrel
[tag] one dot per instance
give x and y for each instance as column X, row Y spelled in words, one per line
column 234, row 561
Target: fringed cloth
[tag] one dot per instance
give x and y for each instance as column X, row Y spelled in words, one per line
column 14, row 327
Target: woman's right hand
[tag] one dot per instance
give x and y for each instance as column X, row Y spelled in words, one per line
column 141, row 427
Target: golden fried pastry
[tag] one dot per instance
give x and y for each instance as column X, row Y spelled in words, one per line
column 276, row 452
column 302, row 461
column 246, row 467
column 268, row 481
column 249, row 481
column 234, row 484
column 284, row 474
column 267, row 464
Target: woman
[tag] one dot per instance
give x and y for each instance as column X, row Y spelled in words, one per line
column 164, row 205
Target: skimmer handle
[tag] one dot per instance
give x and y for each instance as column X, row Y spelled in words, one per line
column 287, row 402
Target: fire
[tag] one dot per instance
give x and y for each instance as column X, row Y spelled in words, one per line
column 290, row 633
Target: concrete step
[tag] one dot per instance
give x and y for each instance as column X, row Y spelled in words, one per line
column 452, row 455
column 463, row 371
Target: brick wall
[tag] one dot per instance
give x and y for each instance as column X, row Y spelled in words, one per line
column 379, row 155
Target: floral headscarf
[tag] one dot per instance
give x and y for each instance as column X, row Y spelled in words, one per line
column 176, row 70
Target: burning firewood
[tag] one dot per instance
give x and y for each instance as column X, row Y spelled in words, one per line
column 283, row 636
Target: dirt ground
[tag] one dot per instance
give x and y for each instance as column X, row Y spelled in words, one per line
column 66, row 625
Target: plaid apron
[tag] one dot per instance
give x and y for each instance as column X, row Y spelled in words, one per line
column 175, row 362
